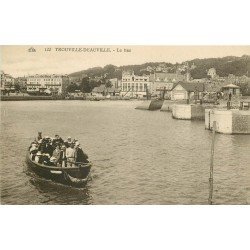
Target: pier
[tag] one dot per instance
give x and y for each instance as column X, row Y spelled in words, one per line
column 167, row 106
column 232, row 121
column 188, row 112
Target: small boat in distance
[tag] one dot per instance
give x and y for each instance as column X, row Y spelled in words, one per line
column 76, row 176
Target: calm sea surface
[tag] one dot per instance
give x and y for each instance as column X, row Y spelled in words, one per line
column 139, row 157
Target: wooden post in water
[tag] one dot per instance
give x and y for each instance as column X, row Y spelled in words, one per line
column 212, row 166
column 146, row 90
column 163, row 95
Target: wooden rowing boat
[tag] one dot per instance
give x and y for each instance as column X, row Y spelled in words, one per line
column 73, row 176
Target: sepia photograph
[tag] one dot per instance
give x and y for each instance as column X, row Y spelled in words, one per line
column 125, row 125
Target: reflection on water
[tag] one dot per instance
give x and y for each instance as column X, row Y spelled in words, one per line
column 139, row 157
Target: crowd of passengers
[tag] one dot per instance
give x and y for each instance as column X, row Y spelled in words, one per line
column 56, row 151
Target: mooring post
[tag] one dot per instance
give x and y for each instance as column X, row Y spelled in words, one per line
column 211, row 166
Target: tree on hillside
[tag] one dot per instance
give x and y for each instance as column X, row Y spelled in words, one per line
column 85, row 85
column 108, row 84
column 72, row 87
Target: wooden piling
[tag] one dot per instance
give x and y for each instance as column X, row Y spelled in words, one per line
column 211, row 167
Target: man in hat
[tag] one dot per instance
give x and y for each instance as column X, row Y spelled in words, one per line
column 68, row 142
column 39, row 137
column 57, row 140
column 48, row 149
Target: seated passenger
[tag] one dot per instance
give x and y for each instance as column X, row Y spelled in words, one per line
column 46, row 159
column 33, row 151
column 48, row 149
column 38, row 157
column 53, row 160
column 41, row 145
column 58, row 140
column 56, row 154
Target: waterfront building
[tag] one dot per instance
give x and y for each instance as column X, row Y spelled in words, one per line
column 47, row 84
column 187, row 90
column 134, row 86
column 102, row 90
column 231, row 88
column 163, row 82
column 7, row 82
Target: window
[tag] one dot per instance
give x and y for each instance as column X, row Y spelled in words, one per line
column 140, row 86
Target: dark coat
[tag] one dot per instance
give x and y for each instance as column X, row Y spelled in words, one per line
column 58, row 141
column 67, row 144
column 41, row 147
column 48, row 149
column 80, row 156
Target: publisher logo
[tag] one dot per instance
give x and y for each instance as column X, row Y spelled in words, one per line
column 31, row 49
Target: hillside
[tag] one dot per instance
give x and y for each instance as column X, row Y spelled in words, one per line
column 224, row 66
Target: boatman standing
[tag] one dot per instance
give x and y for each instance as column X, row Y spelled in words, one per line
column 80, row 156
column 39, row 137
column 70, row 155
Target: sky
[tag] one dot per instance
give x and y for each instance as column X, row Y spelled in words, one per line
column 17, row 61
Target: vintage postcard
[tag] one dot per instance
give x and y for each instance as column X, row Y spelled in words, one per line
column 125, row 125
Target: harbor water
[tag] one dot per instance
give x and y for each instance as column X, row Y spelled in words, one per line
column 139, row 157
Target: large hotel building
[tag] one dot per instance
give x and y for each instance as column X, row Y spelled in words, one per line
column 6, row 82
column 134, row 86
column 47, row 83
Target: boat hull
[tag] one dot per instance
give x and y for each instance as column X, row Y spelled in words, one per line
column 72, row 176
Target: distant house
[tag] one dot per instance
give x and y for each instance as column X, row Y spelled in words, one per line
column 163, row 83
column 6, row 82
column 166, row 77
column 162, row 88
column 102, row 90
column 231, row 88
column 187, row 90
column 212, row 73
column 53, row 83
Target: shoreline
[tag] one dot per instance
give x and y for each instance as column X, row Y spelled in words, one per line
column 58, row 98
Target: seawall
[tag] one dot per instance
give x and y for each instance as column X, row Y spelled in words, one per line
column 188, row 112
column 28, row 98
column 228, row 121
column 167, row 106
column 150, row 105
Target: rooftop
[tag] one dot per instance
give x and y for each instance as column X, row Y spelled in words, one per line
column 231, row 86
column 191, row 86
